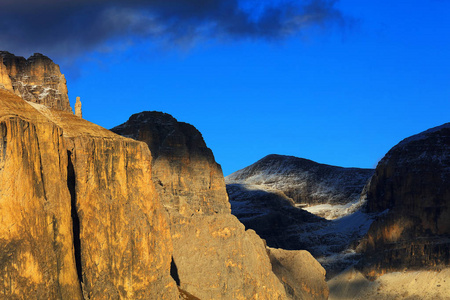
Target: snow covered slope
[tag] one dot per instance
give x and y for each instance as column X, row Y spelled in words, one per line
column 304, row 181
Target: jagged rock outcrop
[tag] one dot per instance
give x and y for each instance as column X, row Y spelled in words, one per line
column 302, row 275
column 37, row 79
column 78, row 209
column 411, row 189
column 5, row 81
column 214, row 256
column 78, row 111
column 305, row 181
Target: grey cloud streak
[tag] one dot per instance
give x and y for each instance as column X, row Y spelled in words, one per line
column 65, row 28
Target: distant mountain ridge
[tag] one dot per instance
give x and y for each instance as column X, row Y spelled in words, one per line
column 304, row 181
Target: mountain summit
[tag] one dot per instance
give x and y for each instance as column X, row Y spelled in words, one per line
column 36, row 79
column 304, row 181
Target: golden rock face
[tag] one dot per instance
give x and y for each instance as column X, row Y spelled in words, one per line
column 78, row 209
column 215, row 257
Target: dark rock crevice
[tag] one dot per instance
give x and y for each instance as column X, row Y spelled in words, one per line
column 75, row 218
column 174, row 272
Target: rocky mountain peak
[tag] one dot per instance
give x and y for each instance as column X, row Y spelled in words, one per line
column 411, row 187
column 36, row 79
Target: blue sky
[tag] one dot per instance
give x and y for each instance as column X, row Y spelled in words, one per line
column 341, row 92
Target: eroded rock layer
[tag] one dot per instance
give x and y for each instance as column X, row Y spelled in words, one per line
column 214, row 256
column 37, row 79
column 79, row 212
column 411, row 186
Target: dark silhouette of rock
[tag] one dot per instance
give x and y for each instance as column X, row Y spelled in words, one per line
column 411, row 190
column 37, row 79
column 304, row 181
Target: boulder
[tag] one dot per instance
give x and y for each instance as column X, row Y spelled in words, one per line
column 300, row 273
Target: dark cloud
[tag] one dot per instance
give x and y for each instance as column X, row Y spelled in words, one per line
column 68, row 28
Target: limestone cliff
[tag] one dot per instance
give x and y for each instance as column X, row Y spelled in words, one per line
column 78, row 210
column 214, row 256
column 411, row 186
column 37, row 79
column 36, row 250
column 304, row 181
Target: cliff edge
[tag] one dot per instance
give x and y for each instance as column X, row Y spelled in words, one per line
column 80, row 215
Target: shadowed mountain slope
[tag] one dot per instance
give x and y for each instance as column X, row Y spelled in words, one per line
column 411, row 188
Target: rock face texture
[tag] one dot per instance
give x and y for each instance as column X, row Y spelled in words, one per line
column 302, row 276
column 37, row 79
column 411, row 186
column 79, row 212
column 215, row 257
column 185, row 173
column 36, row 250
column 304, row 181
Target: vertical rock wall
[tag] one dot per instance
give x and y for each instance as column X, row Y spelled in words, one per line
column 78, row 211
column 36, row 250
